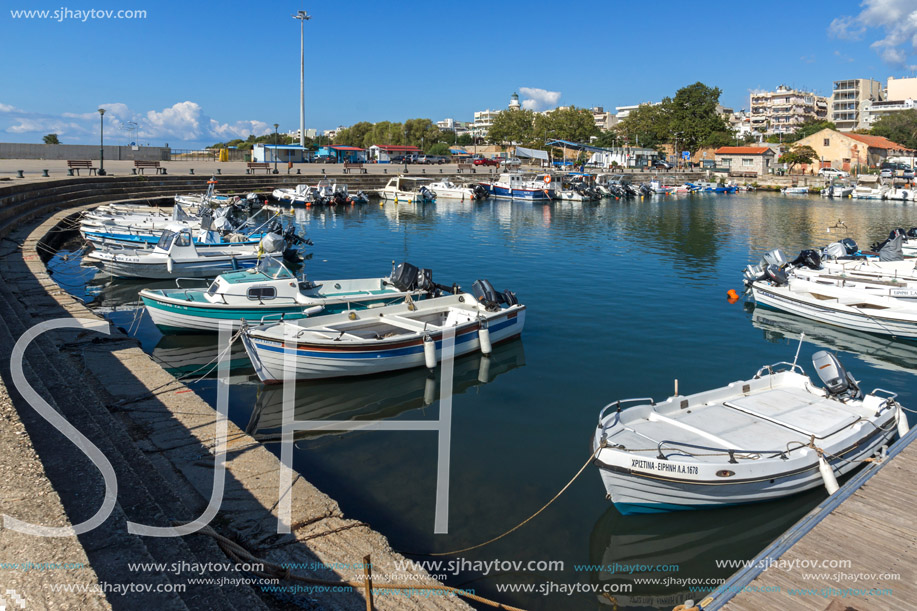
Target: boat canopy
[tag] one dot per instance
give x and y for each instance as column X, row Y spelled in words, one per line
column 524, row 153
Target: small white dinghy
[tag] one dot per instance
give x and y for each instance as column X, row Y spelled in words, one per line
column 761, row 439
column 384, row 339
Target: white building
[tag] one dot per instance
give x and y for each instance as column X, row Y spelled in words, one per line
column 873, row 111
column 848, row 99
column 625, row 156
column 310, row 133
column 622, row 112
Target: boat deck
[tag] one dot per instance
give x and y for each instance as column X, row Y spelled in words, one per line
column 771, row 420
column 873, row 528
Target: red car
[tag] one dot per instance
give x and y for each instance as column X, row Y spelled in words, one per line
column 483, row 161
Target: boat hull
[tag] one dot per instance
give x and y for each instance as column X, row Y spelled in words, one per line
column 314, row 362
column 122, row 267
column 636, row 494
column 783, row 299
column 500, row 192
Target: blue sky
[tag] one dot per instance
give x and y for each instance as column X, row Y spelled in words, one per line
column 193, row 73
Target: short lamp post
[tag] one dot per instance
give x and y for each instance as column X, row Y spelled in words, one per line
column 276, row 125
column 101, row 171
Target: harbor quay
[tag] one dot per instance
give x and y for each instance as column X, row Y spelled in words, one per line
column 146, row 451
column 71, row 514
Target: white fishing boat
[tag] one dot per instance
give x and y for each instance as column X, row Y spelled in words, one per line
column 867, row 192
column 795, row 190
column 901, row 195
column 869, row 305
column 405, row 189
column 760, row 439
column 198, row 200
column 174, row 256
column 402, row 336
column 447, row 189
column 270, row 291
column 837, row 191
column 301, row 195
column 659, row 188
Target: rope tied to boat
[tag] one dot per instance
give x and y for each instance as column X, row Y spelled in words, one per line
column 602, row 444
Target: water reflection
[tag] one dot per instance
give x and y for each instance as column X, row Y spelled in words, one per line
column 683, row 546
column 884, row 352
column 375, row 397
column 195, row 355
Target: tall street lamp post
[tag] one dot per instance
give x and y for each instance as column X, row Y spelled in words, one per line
column 303, row 17
column 276, row 125
column 101, row 171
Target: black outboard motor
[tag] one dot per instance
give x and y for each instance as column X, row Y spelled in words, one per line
column 404, row 277
column 776, row 275
column 838, row 381
column 425, row 280
column 912, row 232
column 807, row 258
column 851, row 246
column 485, row 293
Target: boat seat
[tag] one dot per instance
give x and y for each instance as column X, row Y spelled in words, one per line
column 798, row 410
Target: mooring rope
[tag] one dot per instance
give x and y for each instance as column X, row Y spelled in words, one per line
column 525, row 521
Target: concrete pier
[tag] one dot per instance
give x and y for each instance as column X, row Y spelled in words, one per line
column 159, row 439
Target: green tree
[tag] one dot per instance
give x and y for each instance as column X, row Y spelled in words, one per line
column 438, row 148
column 353, row 135
column 512, row 126
column 51, row 139
column 573, row 124
column 900, row 127
column 464, row 140
column 647, row 125
column 798, row 154
column 693, row 117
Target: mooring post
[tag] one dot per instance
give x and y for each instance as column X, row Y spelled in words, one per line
column 368, row 574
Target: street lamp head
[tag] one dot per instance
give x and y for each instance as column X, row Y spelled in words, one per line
column 101, row 111
column 302, row 15
column 276, row 125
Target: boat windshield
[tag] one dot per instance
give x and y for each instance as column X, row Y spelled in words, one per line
column 165, row 240
column 274, row 269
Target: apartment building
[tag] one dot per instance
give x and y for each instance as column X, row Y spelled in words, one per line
column 783, row 111
column 849, row 102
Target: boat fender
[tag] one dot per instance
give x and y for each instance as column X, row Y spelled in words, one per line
column 484, row 337
column 429, row 352
column 314, row 310
column 900, row 416
column 827, row 475
column 484, row 370
column 169, row 264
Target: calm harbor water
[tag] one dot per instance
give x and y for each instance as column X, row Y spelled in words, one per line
column 623, row 298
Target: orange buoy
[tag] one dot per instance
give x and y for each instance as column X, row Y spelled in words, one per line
column 732, row 296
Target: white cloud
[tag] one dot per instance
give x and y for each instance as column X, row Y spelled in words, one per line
column 183, row 122
column 538, row 99
column 897, row 19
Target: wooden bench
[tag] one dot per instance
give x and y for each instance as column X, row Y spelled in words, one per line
column 80, row 164
column 349, row 165
column 141, row 165
column 258, row 165
column 464, row 167
column 743, row 174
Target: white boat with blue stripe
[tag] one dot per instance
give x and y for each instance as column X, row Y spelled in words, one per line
column 370, row 341
column 516, row 185
column 271, row 292
column 754, row 440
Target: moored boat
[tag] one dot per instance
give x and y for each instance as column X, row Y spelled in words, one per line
column 390, row 338
column 270, row 291
column 760, row 439
column 516, row 185
column 405, row 189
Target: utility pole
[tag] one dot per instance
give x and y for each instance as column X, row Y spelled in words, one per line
column 101, row 171
column 303, row 17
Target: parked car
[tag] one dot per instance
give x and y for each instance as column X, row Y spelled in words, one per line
column 833, row 173
column 325, row 159
column 512, row 162
column 887, row 173
column 485, row 162
column 662, row 165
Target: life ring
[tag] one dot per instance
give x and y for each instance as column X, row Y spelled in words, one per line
column 547, row 179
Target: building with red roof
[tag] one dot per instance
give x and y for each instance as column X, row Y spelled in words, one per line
column 747, row 160
column 848, row 151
